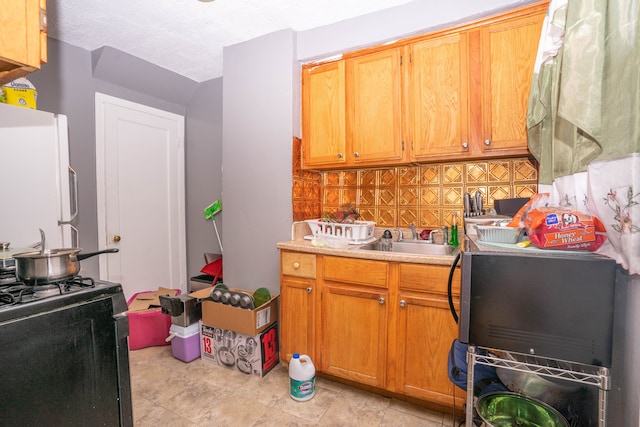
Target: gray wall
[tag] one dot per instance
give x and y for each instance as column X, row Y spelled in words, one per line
column 67, row 85
column 256, row 181
column 203, row 171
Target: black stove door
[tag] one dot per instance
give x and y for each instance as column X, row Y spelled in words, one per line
column 64, row 367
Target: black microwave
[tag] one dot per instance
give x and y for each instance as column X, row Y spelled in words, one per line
column 548, row 303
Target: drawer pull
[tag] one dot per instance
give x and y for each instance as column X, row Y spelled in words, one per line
column 403, row 303
column 309, row 290
column 381, row 300
column 296, row 265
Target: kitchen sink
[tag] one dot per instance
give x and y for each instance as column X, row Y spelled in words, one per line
column 420, row 247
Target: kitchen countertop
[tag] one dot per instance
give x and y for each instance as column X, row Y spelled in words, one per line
column 299, row 244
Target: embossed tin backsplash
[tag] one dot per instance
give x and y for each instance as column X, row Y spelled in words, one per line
column 426, row 195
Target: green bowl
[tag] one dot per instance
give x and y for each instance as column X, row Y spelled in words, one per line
column 511, row 409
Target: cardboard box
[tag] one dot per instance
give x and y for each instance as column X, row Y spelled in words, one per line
column 241, row 320
column 251, row 355
column 143, row 301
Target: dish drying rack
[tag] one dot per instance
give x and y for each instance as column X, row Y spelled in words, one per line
column 355, row 233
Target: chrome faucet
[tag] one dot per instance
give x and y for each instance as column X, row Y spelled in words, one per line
column 400, row 236
column 414, row 233
column 444, row 232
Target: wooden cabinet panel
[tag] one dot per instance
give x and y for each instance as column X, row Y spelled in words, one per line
column 354, row 333
column 323, row 115
column 438, row 92
column 428, row 278
column 508, row 51
column 358, row 271
column 425, row 331
column 297, row 317
column 23, row 40
column 374, row 107
column 298, row 264
column 465, row 93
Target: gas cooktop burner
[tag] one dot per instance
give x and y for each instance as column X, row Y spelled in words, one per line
column 14, row 292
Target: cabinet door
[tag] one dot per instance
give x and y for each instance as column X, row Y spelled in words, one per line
column 354, row 333
column 23, row 40
column 298, row 292
column 374, row 107
column 508, row 52
column 323, row 115
column 297, row 317
column 439, row 102
column 425, row 331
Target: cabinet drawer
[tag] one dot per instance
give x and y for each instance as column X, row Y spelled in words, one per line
column 358, row 271
column 428, row 278
column 298, row 264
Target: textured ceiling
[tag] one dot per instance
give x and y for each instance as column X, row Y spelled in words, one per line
column 187, row 36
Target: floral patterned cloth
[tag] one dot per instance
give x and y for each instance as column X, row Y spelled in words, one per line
column 609, row 190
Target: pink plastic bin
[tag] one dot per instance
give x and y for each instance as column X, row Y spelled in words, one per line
column 147, row 328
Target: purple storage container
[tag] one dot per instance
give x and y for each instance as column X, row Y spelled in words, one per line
column 185, row 344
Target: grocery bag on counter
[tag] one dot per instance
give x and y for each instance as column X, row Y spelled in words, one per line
column 566, row 229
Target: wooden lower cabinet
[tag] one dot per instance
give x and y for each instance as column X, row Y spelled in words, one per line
column 382, row 324
column 354, row 333
column 425, row 329
column 297, row 300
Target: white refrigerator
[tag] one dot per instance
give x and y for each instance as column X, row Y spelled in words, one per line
column 39, row 188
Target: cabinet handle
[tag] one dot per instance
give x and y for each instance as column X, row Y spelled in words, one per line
column 403, row 303
column 296, row 265
column 340, row 155
column 309, row 290
column 487, row 142
column 381, row 300
column 356, row 154
column 465, row 145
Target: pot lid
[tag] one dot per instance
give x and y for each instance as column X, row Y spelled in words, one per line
column 47, row 253
column 9, row 253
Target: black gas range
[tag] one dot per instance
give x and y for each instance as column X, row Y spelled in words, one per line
column 67, row 345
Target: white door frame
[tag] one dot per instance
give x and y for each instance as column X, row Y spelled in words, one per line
column 105, row 240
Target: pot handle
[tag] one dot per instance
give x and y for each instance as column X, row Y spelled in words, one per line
column 80, row 257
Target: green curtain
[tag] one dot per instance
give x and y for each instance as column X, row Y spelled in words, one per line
column 584, row 101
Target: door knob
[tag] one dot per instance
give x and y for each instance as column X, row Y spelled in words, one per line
column 116, row 238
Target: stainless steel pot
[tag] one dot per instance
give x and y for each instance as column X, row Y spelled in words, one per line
column 54, row 265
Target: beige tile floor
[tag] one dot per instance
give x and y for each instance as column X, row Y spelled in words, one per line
column 169, row 392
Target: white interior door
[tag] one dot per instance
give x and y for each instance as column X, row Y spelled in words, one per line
column 140, row 195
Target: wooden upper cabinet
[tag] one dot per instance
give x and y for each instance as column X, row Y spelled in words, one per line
column 460, row 92
column 374, row 108
column 438, row 97
column 23, row 38
column 508, row 50
column 323, row 115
